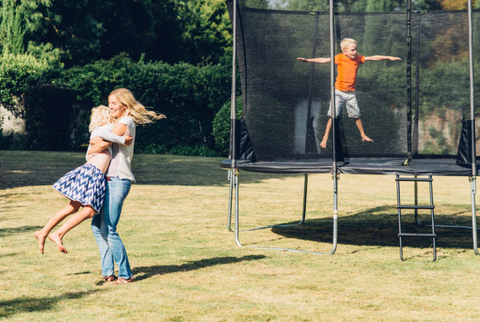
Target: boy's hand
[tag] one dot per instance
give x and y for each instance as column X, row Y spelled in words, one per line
column 128, row 140
column 395, row 58
column 302, row 59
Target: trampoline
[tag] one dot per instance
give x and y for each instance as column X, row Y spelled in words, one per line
column 420, row 112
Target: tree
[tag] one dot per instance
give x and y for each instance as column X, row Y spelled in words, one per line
column 12, row 29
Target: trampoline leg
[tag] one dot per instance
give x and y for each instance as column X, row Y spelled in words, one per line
column 237, row 228
column 305, row 189
column 230, row 199
column 474, row 214
column 304, row 211
column 336, row 176
column 237, row 224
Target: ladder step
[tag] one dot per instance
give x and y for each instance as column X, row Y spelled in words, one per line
column 416, row 235
column 415, row 207
column 415, row 179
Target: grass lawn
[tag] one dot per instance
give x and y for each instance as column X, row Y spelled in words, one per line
column 188, row 267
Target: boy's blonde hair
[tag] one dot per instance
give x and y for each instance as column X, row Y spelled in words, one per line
column 100, row 116
column 134, row 109
column 346, row 41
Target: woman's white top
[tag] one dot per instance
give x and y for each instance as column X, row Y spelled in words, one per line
column 121, row 163
column 105, row 133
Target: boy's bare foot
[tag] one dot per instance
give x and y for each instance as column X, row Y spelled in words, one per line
column 366, row 138
column 40, row 239
column 323, row 144
column 57, row 240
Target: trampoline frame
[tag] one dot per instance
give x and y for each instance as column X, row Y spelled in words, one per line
column 233, row 172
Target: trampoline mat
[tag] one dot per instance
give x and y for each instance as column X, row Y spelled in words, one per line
column 382, row 166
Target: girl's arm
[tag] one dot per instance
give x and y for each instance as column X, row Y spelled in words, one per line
column 314, row 60
column 377, row 58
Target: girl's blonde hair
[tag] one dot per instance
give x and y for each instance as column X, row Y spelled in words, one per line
column 100, row 116
column 134, row 109
column 347, row 41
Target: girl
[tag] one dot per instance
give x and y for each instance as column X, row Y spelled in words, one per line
column 84, row 186
column 129, row 113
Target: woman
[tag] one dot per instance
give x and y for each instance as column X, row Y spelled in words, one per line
column 127, row 113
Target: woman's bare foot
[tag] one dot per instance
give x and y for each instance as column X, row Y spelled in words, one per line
column 40, row 239
column 323, row 144
column 58, row 240
column 366, row 138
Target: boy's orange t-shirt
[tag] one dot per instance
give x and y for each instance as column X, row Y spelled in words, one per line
column 347, row 72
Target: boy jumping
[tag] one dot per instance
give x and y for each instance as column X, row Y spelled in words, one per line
column 347, row 67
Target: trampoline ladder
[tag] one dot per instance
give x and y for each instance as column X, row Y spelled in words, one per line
column 401, row 234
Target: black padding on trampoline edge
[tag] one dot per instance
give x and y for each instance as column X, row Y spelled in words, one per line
column 373, row 166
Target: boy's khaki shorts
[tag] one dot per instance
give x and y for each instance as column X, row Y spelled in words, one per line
column 349, row 100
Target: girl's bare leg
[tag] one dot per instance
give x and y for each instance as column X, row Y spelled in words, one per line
column 323, row 144
column 75, row 220
column 362, row 133
column 42, row 234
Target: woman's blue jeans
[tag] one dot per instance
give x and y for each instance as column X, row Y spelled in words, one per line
column 104, row 227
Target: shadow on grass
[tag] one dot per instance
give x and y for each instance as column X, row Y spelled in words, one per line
column 18, row 230
column 7, row 255
column 31, row 304
column 149, row 271
column 381, row 229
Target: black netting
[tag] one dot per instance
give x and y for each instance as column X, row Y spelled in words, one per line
column 441, row 45
column 286, row 101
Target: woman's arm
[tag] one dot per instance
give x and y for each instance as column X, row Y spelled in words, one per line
column 97, row 144
column 315, row 60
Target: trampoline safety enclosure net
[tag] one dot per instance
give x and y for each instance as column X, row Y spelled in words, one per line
column 285, row 101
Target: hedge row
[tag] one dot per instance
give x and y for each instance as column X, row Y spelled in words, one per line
column 190, row 96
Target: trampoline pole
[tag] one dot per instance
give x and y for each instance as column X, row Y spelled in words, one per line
column 472, row 118
column 233, row 107
column 334, row 125
column 409, row 80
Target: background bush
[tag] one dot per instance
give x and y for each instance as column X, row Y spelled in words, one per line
column 48, row 117
column 57, row 101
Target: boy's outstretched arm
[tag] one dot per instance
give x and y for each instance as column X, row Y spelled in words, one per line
column 377, row 58
column 314, row 60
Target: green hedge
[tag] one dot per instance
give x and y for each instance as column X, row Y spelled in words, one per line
column 188, row 95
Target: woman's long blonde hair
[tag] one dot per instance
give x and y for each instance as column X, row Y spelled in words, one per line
column 100, row 116
column 135, row 109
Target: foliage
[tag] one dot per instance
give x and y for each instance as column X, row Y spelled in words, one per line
column 206, row 30
column 48, row 112
column 12, row 29
column 16, row 70
column 188, row 95
column 80, row 32
column 221, row 126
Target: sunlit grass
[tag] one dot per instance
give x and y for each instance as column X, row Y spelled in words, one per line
column 188, row 268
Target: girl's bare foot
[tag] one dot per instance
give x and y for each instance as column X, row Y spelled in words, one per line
column 323, row 144
column 58, row 240
column 366, row 138
column 40, row 239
